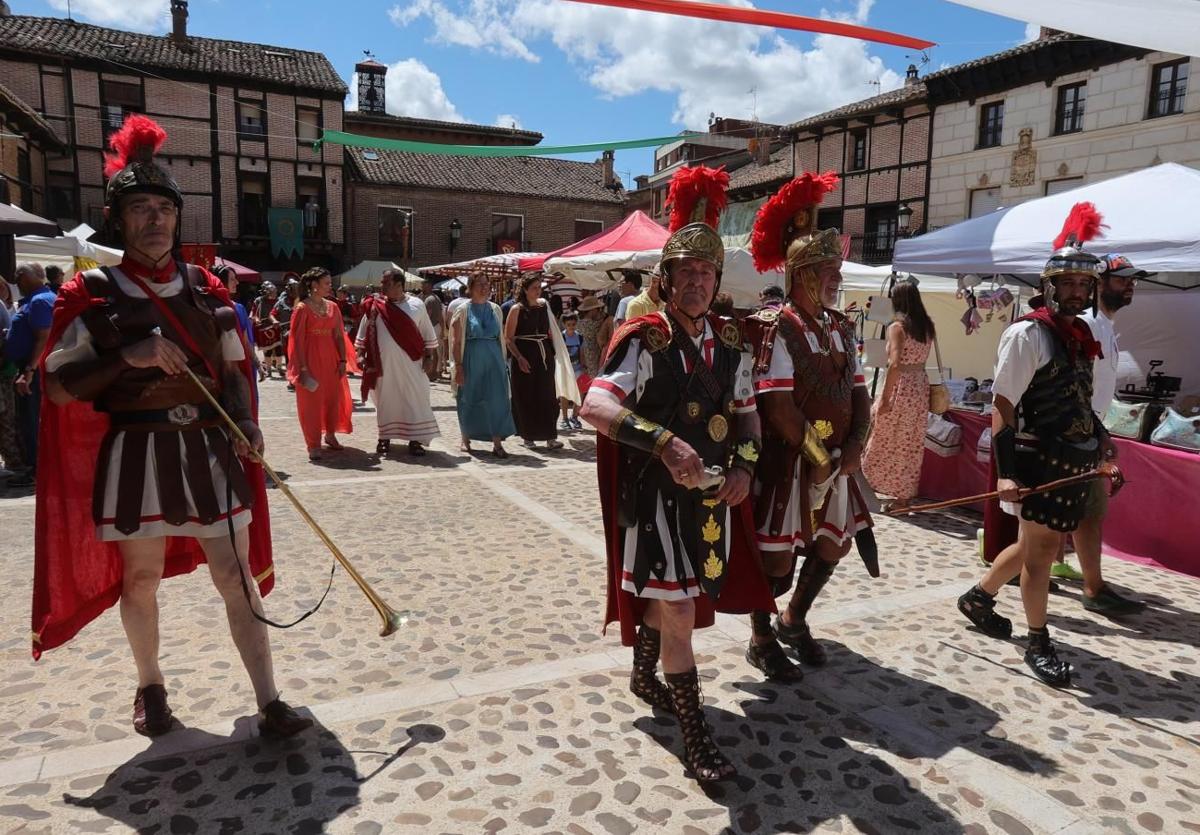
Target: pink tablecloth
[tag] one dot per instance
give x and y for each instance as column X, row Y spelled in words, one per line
column 1155, row 520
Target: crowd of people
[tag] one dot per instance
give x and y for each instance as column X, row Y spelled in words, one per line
column 728, row 448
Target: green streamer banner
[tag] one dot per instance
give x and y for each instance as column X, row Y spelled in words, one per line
column 355, row 141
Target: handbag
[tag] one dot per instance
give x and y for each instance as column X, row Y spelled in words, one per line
column 939, row 395
column 1176, row 431
column 943, row 437
column 1129, row 420
column 983, row 449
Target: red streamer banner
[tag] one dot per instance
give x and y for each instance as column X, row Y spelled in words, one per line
column 762, row 17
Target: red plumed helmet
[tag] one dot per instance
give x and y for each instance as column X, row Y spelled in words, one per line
column 697, row 193
column 787, row 215
column 1082, row 225
column 138, row 140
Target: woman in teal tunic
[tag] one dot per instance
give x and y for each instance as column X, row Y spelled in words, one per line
column 481, row 370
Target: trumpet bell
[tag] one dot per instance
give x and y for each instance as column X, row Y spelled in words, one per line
column 392, row 621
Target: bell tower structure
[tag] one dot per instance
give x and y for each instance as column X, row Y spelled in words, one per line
column 370, row 85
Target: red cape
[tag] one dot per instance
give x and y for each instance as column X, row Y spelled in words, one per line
column 745, row 589
column 75, row 575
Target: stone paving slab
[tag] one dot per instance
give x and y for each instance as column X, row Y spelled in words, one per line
column 500, row 707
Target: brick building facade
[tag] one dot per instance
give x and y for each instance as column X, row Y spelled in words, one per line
column 240, row 119
column 880, row 148
column 25, row 139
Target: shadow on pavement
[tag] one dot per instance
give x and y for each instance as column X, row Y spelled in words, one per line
column 299, row 785
column 799, row 754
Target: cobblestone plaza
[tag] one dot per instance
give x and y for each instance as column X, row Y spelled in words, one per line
column 501, row 706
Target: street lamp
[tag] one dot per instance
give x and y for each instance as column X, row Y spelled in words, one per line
column 455, row 233
column 903, row 219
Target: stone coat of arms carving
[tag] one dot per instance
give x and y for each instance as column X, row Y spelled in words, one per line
column 1024, row 161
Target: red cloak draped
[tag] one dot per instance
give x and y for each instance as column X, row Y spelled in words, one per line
column 745, row 589
column 404, row 332
column 75, row 575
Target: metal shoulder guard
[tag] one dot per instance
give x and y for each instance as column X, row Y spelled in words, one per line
column 637, row 432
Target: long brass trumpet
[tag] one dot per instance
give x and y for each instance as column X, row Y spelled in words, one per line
column 392, row 620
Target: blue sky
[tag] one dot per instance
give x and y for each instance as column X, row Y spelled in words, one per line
column 581, row 73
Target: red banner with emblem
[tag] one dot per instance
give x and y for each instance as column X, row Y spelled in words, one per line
column 202, row 255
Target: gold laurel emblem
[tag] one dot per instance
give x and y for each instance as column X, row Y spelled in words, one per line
column 824, row 429
column 710, row 502
column 767, row 314
column 718, row 428
column 713, row 567
column 693, row 410
column 655, row 339
column 731, row 335
column 747, row 452
column 644, row 425
column 711, row 532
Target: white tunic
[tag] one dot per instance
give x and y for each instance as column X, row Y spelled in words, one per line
column 76, row 345
column 401, row 395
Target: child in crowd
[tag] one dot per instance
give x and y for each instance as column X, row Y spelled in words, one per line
column 573, row 342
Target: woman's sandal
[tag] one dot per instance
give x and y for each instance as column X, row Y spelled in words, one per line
column 707, row 763
column 499, row 452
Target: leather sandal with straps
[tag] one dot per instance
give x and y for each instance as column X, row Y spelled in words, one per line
column 151, row 714
column 707, row 763
column 979, row 607
column 643, row 681
column 770, row 658
column 277, row 720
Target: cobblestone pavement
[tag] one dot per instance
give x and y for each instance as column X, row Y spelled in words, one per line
column 500, row 706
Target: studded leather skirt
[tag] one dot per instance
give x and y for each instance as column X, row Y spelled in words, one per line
column 1049, row 460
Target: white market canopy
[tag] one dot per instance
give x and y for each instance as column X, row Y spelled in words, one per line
column 1152, row 215
column 69, row 252
column 1163, row 25
column 371, row 272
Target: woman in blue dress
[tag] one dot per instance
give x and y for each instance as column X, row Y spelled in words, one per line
column 481, row 370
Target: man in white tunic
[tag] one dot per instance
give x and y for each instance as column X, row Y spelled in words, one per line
column 397, row 345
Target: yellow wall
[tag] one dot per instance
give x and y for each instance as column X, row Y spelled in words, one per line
column 965, row 356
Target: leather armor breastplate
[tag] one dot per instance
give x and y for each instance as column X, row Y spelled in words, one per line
column 1058, row 401
column 133, row 320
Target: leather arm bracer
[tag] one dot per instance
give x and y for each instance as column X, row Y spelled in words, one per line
column 637, row 432
column 1004, row 450
column 87, row 380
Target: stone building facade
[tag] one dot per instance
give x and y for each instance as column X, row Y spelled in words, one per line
column 240, row 117
column 1053, row 114
column 880, row 149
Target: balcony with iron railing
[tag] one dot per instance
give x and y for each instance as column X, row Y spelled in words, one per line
column 874, row 248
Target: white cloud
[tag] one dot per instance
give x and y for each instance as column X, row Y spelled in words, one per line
column 412, row 89
column 507, row 120
column 1032, row 31
column 143, row 15
column 709, row 67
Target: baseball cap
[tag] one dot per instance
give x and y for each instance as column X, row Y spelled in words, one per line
column 1122, row 267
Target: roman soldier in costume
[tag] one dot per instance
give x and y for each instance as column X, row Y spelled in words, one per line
column 1043, row 429
column 815, row 412
column 140, row 480
column 674, row 409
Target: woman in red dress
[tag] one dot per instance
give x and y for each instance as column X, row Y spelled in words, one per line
column 317, row 364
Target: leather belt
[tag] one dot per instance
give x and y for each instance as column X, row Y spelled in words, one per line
column 175, row 419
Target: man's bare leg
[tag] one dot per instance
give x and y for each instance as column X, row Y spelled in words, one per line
column 1008, row 564
column 249, row 635
column 143, row 567
column 676, row 619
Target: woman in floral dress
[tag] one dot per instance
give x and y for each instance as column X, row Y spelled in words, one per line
column 892, row 460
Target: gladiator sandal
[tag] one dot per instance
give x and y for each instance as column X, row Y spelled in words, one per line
column 980, row 609
column 813, row 576
column 768, row 656
column 151, row 715
column 643, row 682
column 278, row 720
column 704, row 759
column 383, row 446
column 1043, row 660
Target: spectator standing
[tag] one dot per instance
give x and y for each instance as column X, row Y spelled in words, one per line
column 268, row 334
column 631, row 285
column 892, row 459
column 282, row 312
column 646, row 302
column 54, row 278
column 436, row 311
column 596, row 329
column 10, row 444
column 26, row 341
column 229, row 278
column 480, row 371
column 531, row 352
column 574, row 344
column 317, row 364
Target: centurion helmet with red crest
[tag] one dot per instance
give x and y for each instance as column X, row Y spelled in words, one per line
column 1082, row 225
column 786, row 235
column 130, row 167
column 696, row 199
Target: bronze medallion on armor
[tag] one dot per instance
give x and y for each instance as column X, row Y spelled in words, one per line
column 718, row 428
column 655, row 339
column 731, row 335
column 693, row 411
column 183, row 414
